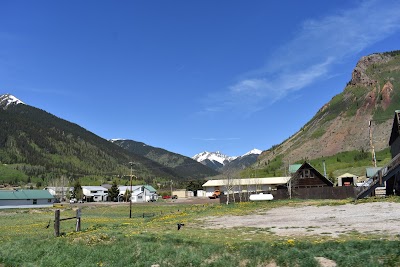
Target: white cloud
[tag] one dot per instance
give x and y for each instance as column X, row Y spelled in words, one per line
column 310, row 55
column 217, row 139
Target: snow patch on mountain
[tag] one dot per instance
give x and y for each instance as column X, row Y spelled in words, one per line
column 255, row 151
column 213, row 156
column 221, row 158
column 8, row 99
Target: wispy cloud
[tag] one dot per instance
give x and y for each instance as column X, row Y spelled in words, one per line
column 310, row 55
column 217, row 139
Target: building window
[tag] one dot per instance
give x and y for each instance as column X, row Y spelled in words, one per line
column 34, row 201
column 49, row 200
column 306, row 173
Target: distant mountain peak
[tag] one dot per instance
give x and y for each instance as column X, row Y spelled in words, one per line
column 222, row 162
column 216, row 156
column 254, row 151
column 8, row 99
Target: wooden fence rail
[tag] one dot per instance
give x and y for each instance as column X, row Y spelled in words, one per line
column 57, row 221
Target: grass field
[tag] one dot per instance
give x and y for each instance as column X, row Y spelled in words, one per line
column 110, row 238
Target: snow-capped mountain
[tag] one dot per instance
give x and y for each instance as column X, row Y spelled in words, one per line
column 219, row 161
column 255, row 151
column 213, row 156
column 8, row 99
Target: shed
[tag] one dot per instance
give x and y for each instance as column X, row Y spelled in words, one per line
column 182, row 193
column 347, row 179
column 25, row 197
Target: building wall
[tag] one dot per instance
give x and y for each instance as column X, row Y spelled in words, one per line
column 209, row 191
column 180, row 193
column 97, row 197
column 20, row 202
column 395, row 147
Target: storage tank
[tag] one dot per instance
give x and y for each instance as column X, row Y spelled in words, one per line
column 261, row 196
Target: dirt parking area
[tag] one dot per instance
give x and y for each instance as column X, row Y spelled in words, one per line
column 375, row 218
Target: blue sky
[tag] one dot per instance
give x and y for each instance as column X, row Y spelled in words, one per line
column 189, row 76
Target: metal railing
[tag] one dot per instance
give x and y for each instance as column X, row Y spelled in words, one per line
column 381, row 176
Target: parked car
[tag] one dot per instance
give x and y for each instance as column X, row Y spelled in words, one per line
column 72, row 201
column 166, row 197
column 174, row 197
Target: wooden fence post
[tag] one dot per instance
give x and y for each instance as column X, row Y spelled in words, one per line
column 57, row 223
column 78, row 220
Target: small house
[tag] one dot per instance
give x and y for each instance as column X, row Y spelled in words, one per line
column 94, row 193
column 140, row 193
column 306, row 176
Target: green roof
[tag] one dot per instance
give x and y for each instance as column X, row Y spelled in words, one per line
column 150, row 188
column 25, row 194
column 294, row 167
column 371, row 171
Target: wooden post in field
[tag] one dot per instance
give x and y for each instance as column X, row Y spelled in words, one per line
column 78, row 220
column 57, row 223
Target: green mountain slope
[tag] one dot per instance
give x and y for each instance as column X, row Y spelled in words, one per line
column 372, row 95
column 39, row 144
column 184, row 166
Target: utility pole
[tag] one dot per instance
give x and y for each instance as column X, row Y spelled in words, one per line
column 371, row 144
column 130, row 199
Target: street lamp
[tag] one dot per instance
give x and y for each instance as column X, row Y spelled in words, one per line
column 130, row 199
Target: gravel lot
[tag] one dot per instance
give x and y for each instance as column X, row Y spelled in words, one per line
column 377, row 217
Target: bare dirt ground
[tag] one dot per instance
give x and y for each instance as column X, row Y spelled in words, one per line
column 367, row 218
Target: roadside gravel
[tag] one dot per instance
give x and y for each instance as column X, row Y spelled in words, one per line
column 375, row 218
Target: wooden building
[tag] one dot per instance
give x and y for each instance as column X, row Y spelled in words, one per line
column 394, row 141
column 306, row 176
column 393, row 183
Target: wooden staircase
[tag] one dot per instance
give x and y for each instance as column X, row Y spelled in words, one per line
column 379, row 178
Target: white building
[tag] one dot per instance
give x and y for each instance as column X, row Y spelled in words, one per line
column 140, row 193
column 60, row 192
column 95, row 193
column 251, row 185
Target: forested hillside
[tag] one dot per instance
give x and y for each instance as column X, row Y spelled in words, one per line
column 42, row 146
column 184, row 166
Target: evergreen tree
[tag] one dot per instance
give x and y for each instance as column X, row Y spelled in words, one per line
column 127, row 195
column 77, row 193
column 114, row 191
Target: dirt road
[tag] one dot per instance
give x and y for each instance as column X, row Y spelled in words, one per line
column 377, row 218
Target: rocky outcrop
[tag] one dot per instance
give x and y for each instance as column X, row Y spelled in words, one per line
column 359, row 75
column 343, row 123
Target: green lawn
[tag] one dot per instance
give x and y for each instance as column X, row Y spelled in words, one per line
column 110, row 238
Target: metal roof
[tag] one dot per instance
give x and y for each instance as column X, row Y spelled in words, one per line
column 90, row 187
column 25, row 194
column 249, row 181
column 347, row 175
column 150, row 188
column 371, row 171
column 294, row 167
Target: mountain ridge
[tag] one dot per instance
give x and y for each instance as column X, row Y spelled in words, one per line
column 183, row 165
column 43, row 146
column 343, row 124
column 224, row 163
